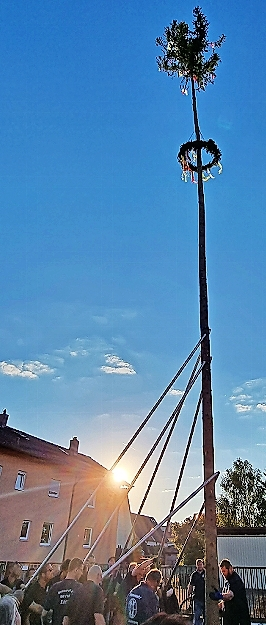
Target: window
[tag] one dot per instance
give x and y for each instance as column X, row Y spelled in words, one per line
column 20, row 480
column 91, row 504
column 46, row 534
column 24, row 532
column 87, row 537
column 54, row 488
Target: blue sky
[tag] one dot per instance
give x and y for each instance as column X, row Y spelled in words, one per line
column 99, row 234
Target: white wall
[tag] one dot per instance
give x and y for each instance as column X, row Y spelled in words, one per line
column 243, row 550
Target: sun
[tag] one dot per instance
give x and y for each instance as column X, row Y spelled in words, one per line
column 120, row 475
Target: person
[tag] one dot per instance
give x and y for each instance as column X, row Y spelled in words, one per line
column 61, row 574
column 13, row 576
column 135, row 574
column 127, row 583
column 9, row 608
column 124, row 588
column 29, row 573
column 86, row 567
column 196, row 589
column 140, row 570
column 167, row 598
column 60, row 592
column 4, row 590
column 111, row 586
column 85, row 607
column 232, row 600
column 115, row 574
column 142, row 601
column 35, row 596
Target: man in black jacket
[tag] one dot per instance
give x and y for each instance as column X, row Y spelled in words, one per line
column 196, row 589
column 233, row 600
column 60, row 592
column 35, row 596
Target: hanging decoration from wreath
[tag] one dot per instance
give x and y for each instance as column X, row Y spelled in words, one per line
column 187, row 157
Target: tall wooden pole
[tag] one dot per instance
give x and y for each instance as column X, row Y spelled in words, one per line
column 212, row 617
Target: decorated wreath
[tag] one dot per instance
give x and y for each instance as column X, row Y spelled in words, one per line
column 186, row 160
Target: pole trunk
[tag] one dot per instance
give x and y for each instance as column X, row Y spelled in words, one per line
column 212, row 617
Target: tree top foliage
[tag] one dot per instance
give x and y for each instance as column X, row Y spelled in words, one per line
column 242, row 502
column 185, row 51
column 196, row 545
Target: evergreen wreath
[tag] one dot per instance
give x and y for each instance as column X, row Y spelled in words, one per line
column 209, row 146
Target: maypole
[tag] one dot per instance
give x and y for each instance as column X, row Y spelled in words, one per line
column 185, row 54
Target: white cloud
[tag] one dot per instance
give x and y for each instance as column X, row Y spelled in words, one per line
column 10, row 369
column 261, row 407
column 242, row 408
column 249, row 396
column 80, row 351
column 175, row 391
column 79, row 347
column 237, row 390
column 104, row 416
column 240, row 397
column 31, row 370
column 37, row 367
column 257, row 382
column 117, row 365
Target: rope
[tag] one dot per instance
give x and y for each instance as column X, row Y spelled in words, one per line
column 185, row 543
column 154, row 529
column 176, row 411
column 158, row 462
column 162, row 396
column 181, row 473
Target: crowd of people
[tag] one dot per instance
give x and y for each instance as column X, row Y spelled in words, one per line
column 77, row 594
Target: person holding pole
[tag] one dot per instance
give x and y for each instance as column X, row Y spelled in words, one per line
column 232, row 600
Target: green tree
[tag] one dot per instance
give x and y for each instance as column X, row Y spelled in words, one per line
column 196, row 545
column 189, row 55
column 242, row 502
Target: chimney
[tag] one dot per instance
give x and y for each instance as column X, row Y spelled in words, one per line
column 3, row 418
column 73, row 446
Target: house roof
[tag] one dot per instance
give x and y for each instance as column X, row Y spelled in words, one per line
column 21, row 442
column 143, row 524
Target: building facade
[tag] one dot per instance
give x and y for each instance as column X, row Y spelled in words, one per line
column 42, row 488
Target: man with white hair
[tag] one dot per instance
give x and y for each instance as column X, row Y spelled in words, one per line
column 86, row 607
